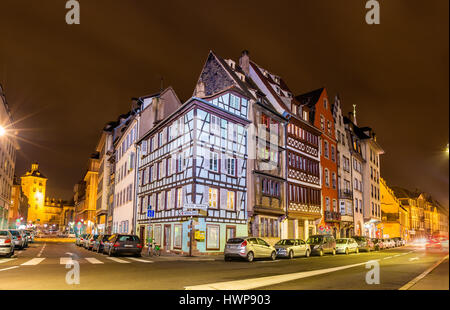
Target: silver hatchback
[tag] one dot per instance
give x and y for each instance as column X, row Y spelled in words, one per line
column 6, row 243
column 292, row 248
column 248, row 248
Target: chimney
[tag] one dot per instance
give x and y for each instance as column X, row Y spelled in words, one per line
column 200, row 90
column 354, row 114
column 244, row 62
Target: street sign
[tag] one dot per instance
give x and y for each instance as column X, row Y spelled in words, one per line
column 187, row 213
column 150, row 213
column 194, row 206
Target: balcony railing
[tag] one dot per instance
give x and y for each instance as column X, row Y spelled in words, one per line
column 346, row 194
column 331, row 216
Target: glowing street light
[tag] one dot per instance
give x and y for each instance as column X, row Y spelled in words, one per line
column 447, row 150
column 2, row 131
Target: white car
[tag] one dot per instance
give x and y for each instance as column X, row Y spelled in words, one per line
column 346, row 246
column 6, row 243
column 388, row 243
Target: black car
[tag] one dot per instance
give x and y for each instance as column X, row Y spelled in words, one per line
column 322, row 244
column 123, row 244
column 99, row 243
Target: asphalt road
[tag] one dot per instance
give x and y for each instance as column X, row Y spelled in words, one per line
column 44, row 266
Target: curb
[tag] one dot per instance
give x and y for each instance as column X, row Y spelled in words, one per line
column 414, row 281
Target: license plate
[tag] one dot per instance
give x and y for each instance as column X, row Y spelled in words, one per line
column 128, row 246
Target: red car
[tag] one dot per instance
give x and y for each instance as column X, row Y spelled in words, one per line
column 437, row 245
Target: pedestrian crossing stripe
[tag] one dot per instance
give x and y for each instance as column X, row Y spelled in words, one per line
column 140, row 260
column 66, row 260
column 6, row 260
column 93, row 260
column 118, row 260
column 32, row 262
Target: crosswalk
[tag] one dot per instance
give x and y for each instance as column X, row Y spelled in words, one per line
column 71, row 260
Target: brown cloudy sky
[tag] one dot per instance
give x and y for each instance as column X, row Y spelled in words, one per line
column 74, row 79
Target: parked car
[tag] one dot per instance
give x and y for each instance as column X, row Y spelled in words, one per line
column 19, row 241
column 6, row 243
column 346, row 246
column 398, row 241
column 80, row 239
column 378, row 244
column 89, row 241
column 99, row 243
column 123, row 244
column 29, row 235
column 364, row 243
column 322, row 244
column 248, row 248
column 292, row 248
column 388, row 243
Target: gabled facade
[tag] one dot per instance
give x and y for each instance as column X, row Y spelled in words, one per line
column 394, row 216
column 266, row 165
column 34, row 185
column 302, row 156
column 344, row 165
column 357, row 163
column 321, row 116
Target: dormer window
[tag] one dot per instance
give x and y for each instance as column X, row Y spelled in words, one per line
column 305, row 115
column 294, row 109
column 325, row 103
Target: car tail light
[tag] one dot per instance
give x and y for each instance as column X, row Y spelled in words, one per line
column 243, row 244
column 20, row 238
column 116, row 244
column 8, row 241
column 139, row 245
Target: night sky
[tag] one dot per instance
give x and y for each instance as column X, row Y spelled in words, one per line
column 68, row 81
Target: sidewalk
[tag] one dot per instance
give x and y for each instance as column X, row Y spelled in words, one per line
column 437, row 279
column 176, row 257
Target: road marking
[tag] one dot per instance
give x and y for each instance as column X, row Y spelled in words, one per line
column 93, row 260
column 269, row 261
column 118, row 260
column 411, row 283
column 9, row 268
column 43, row 247
column 140, row 260
column 253, row 283
column 33, row 262
column 397, row 255
column 387, row 257
column 413, row 258
column 65, row 261
column 6, row 260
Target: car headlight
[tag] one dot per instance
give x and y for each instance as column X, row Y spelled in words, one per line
column 316, row 246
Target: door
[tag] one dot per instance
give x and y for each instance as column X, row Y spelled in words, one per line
column 142, row 235
column 301, row 247
column 167, row 238
column 264, row 248
column 231, row 232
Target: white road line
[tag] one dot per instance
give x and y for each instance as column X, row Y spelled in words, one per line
column 387, row 257
column 43, row 247
column 33, row 261
column 411, row 283
column 9, row 268
column 413, row 258
column 397, row 255
column 140, row 260
column 93, row 260
column 6, row 260
column 65, row 261
column 253, row 283
column 269, row 261
column 118, row 260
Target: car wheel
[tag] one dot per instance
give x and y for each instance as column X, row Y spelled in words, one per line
column 250, row 257
column 357, row 250
column 321, row 252
column 273, row 256
column 334, row 251
column 308, row 253
column 346, row 251
column 226, row 258
column 137, row 255
column 110, row 253
column 291, row 254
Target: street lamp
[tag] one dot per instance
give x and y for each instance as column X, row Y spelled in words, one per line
column 2, row 131
column 447, row 150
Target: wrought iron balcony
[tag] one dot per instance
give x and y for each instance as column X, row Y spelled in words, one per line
column 346, row 194
column 331, row 216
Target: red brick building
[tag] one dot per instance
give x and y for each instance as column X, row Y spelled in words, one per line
column 321, row 116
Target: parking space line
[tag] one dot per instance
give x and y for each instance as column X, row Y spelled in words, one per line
column 118, row 260
column 140, row 260
column 33, row 261
column 9, row 268
column 254, row 283
column 65, row 261
column 93, row 260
